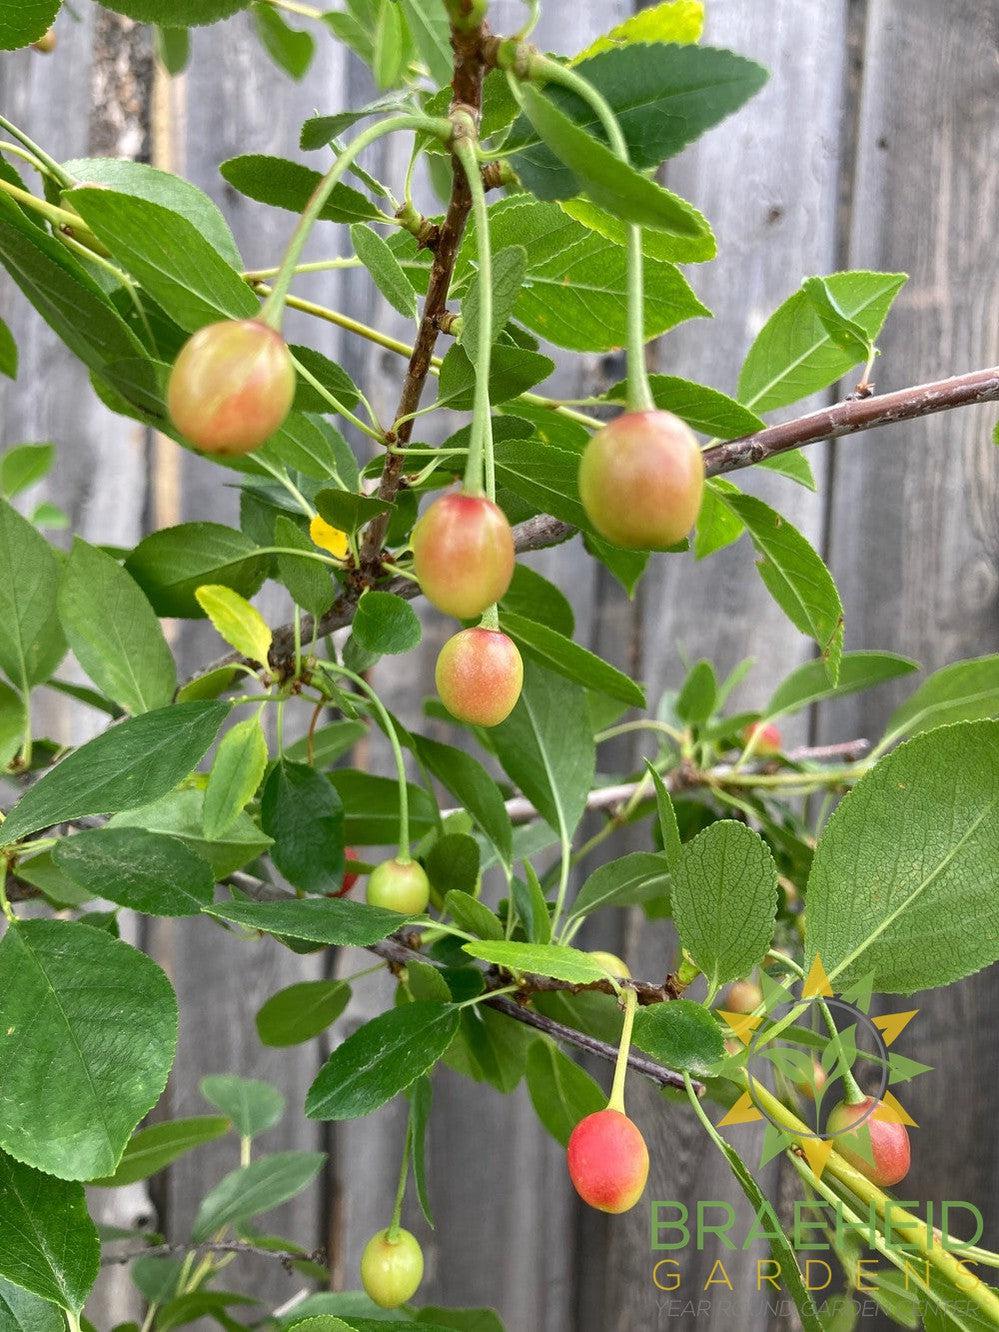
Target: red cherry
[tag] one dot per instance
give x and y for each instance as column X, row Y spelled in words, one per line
column 231, row 386
column 349, row 878
column 392, row 1269
column 608, row 1161
column 641, row 480
column 768, row 738
column 479, row 676
column 889, row 1142
column 463, row 554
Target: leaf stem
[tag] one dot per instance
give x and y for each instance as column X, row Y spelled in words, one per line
column 616, row 1101
column 274, row 305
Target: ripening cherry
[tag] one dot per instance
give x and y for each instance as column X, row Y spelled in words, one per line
column 612, row 963
column 819, row 1078
column 608, row 1161
column 349, row 877
column 392, row 1268
column 231, row 386
column 399, row 885
column 463, row 554
column 743, row 996
column 46, row 44
column 767, row 740
column 889, row 1142
column 641, row 480
column 479, row 676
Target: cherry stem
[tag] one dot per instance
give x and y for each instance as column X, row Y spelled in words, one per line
column 273, row 308
column 616, row 1101
column 334, row 668
column 55, row 170
column 542, row 69
column 392, row 1233
column 479, row 467
column 854, row 1096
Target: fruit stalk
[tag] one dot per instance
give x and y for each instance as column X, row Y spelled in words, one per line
column 616, row 1101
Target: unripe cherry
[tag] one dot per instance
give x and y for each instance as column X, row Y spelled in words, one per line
column 641, row 480
column 767, row 740
column 612, row 963
column 463, row 554
column 399, row 885
column 889, row 1142
column 743, row 997
column 231, row 386
column 479, row 676
column 392, row 1269
column 608, row 1161
column 349, row 878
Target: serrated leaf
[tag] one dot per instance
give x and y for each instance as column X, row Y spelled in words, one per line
column 31, row 641
column 258, row 1187
column 371, row 808
column 857, row 670
column 91, row 1028
column 318, row 920
column 472, row 915
column 236, row 773
column 145, row 871
column 681, row 1035
column 171, row 564
column 512, row 371
column 388, row 55
column 21, row 1311
column 668, row 826
column 679, row 21
column 129, row 765
column 114, row 632
column 381, row 1059
column 180, row 13
column 561, row 1092
column 381, row 263
column 556, row 960
column 290, row 48
column 420, row 1102
column 902, row 884
column 152, row 1149
column 24, row 465
column 252, row 1106
column 467, row 780
column 180, row 814
column 533, row 596
column 845, row 332
column 48, row 1243
column 282, row 184
column 725, row 900
column 385, row 623
column 22, row 24
column 432, row 35
column 300, row 1012
column 348, row 512
column 629, row 881
column 698, row 694
column 173, row 49
column 962, row 691
column 8, row 352
column 509, row 268
column 303, row 814
column 705, row 409
column 236, row 620
column 566, row 657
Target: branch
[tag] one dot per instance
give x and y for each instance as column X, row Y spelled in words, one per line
column 286, row 1256
column 843, row 418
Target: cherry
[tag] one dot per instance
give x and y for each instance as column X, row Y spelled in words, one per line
column 767, row 738
column 612, row 963
column 231, row 386
column 392, row 1268
column 819, row 1079
column 743, row 997
column 46, row 43
column 349, row 878
column 399, row 885
column 479, row 676
column 641, row 480
column 463, row 554
column 608, row 1161
column 889, row 1142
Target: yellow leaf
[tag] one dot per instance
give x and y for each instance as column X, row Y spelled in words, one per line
column 240, row 624
column 680, row 21
column 328, row 537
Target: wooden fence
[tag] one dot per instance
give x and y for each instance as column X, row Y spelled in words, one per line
column 874, row 145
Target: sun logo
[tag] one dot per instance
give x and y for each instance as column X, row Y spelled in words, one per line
column 810, row 1047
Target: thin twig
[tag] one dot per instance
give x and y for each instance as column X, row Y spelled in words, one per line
column 286, row 1256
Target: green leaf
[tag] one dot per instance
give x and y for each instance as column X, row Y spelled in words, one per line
column 302, row 812
column 332, row 377
column 575, row 291
column 48, row 1243
column 240, row 624
column 857, row 670
column 796, row 578
column 168, row 254
column 24, row 23
column 629, row 881
column 556, row 960
column 347, row 511
column 307, row 580
column 432, row 35
column 145, row 871
column 385, row 622
column 152, row 1149
column 725, row 900
column 512, row 371
column 903, row 879
column 371, row 806
column 962, row 691
column 302, row 1011
column 561, row 1092
column 114, row 631
column 668, row 826
column 845, row 332
column 698, row 695
column 320, row 131
column 236, row 773
column 546, row 748
column 178, row 13
column 171, row 564
column 258, row 1187
column 468, row 781
column 509, row 269
column 12, row 719
column 452, row 863
column 381, row 1059
column 282, row 184
column 565, row 657
column 462, row 1320
column 180, row 814
column 252, row 1106
column 290, row 48
column 92, row 1027
column 328, row 743
column 330, row 921
column 533, row 596
column 311, row 445
column 389, row 48
column 161, row 187
column 490, row 1048
column 24, row 465
column 31, row 641
column 381, row 263
column 610, row 182
column 672, row 21
column 795, row 355
column 680, row 1035
column 21, row 1311
column 705, row 409
column 173, row 48
column 126, row 766
column 421, row 1100
column 8, row 352
column 472, row 915
column 186, row 1309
